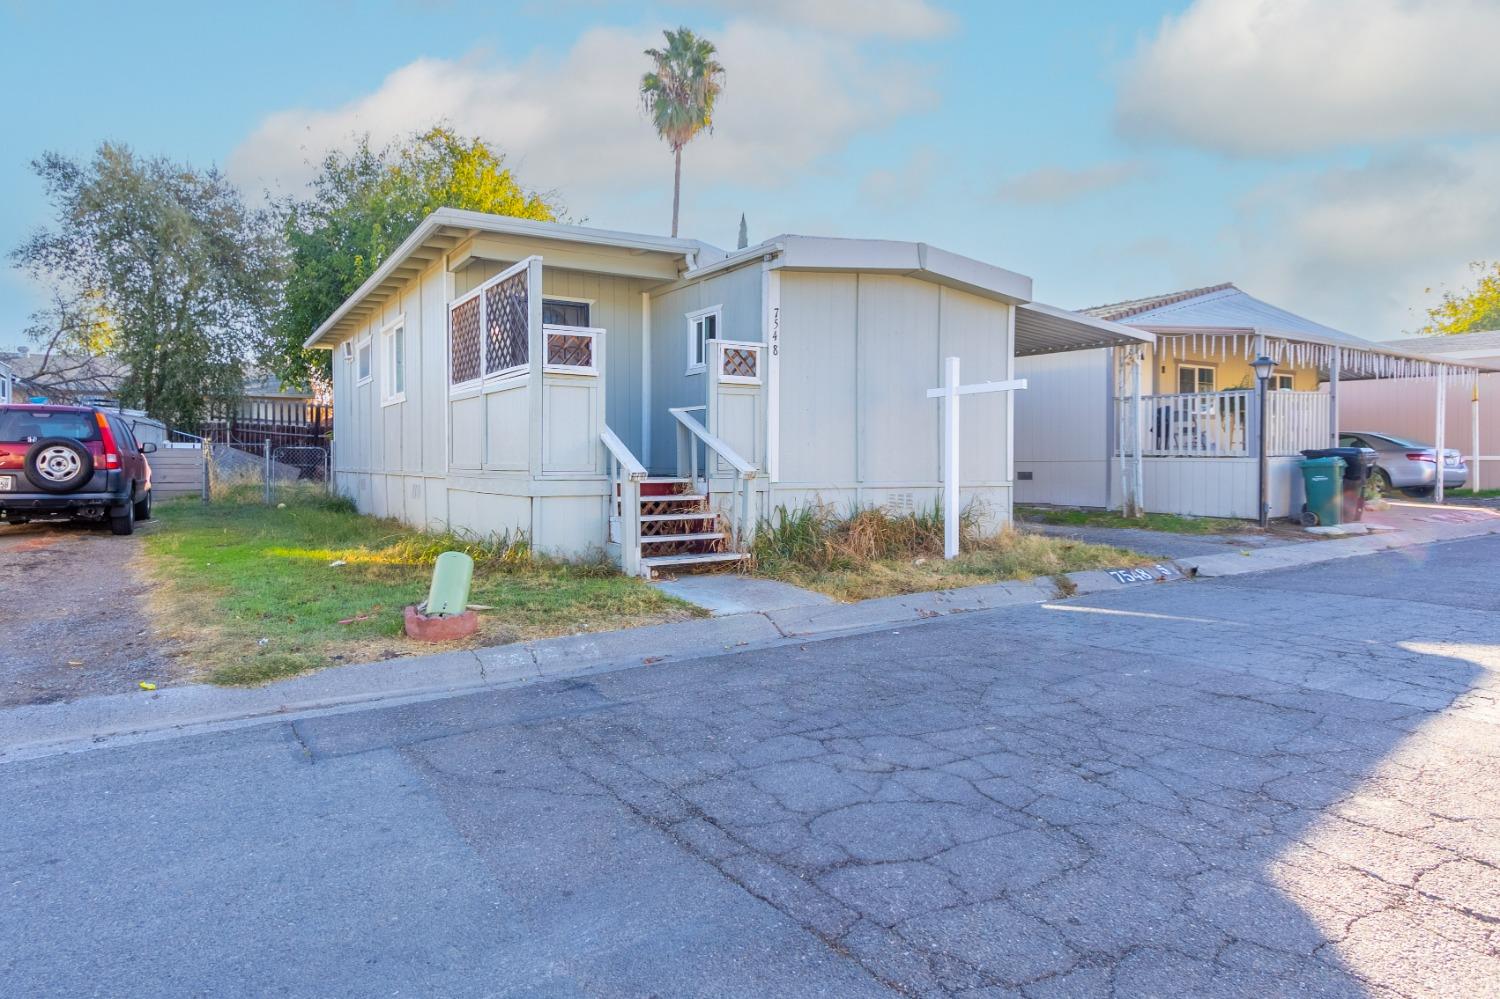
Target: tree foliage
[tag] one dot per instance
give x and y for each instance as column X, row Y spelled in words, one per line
column 160, row 266
column 679, row 93
column 362, row 204
column 1472, row 311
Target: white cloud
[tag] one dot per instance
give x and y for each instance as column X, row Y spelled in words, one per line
column 572, row 121
column 870, row 18
column 1268, row 77
column 1358, row 247
column 1056, row 185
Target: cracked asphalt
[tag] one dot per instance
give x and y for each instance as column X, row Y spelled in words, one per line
column 1283, row 784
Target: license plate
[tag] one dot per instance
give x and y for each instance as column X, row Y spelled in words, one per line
column 7, row 483
column 1450, row 461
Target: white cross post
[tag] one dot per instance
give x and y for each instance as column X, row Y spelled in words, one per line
column 949, row 393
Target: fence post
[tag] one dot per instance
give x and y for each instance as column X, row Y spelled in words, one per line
column 206, row 452
column 267, row 476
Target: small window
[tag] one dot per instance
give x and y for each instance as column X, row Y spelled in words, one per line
column 393, row 346
column 559, row 312
column 703, row 326
column 362, row 361
column 1281, row 381
column 1195, row 378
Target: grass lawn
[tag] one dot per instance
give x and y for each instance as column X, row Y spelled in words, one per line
column 1170, row 522
column 1472, row 494
column 873, row 554
column 252, row 594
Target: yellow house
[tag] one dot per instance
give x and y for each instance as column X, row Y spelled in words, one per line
column 1175, row 428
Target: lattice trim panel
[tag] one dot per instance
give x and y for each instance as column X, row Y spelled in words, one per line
column 573, row 350
column 463, row 339
column 739, row 362
column 507, row 319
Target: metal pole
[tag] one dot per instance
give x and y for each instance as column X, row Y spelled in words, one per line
column 205, row 452
column 1474, row 434
column 1333, row 397
column 1139, row 478
column 266, row 449
column 1442, row 432
column 950, row 459
column 1260, row 421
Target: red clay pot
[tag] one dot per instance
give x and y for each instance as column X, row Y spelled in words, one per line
column 440, row 629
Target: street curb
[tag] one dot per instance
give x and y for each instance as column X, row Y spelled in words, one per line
column 32, row 731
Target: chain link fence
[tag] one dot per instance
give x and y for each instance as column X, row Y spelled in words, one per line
column 246, row 470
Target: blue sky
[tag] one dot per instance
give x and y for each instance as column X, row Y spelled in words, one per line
column 1340, row 157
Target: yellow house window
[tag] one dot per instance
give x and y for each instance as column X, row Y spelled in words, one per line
column 1281, row 381
column 1195, row 378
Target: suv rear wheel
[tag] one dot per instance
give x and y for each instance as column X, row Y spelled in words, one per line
column 123, row 523
column 143, row 507
column 58, row 465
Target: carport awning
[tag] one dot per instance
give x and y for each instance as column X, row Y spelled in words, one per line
column 1046, row 329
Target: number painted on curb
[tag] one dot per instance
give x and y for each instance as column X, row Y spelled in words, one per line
column 1146, row 574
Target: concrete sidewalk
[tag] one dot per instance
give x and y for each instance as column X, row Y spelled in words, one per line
column 40, row 730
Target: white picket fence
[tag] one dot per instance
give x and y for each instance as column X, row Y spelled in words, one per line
column 1223, row 424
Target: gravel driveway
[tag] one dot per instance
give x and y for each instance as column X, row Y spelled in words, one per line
column 75, row 621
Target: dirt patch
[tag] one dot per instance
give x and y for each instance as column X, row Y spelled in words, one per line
column 75, row 620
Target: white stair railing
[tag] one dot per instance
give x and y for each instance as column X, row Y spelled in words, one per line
column 690, row 433
column 626, row 474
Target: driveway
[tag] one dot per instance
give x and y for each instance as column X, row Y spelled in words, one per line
column 1285, row 784
column 74, row 623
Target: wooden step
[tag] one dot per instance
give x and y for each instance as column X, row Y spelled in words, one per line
column 647, row 539
column 654, row 480
column 703, row 515
column 672, row 497
column 661, row 561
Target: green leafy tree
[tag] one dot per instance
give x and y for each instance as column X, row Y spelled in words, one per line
column 679, row 94
column 362, row 204
column 1471, row 311
column 160, row 266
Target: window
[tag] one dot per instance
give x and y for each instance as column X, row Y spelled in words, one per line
column 362, row 361
column 564, row 312
column 1195, row 378
column 1280, row 381
column 703, row 326
column 393, row 361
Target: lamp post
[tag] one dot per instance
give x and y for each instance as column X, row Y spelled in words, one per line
column 1263, row 366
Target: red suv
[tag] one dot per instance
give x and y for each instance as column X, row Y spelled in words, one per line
column 72, row 461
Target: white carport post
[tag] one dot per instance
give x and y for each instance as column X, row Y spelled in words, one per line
column 1442, row 427
column 1474, row 435
column 1333, row 396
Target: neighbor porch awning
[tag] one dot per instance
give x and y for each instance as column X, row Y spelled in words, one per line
column 1046, row 329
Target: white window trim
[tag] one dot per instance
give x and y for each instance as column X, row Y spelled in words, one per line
column 575, row 300
column 389, row 395
column 1278, row 375
column 360, row 343
column 695, row 366
column 1181, row 367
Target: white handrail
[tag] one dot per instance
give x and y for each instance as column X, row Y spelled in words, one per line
column 633, row 468
column 698, row 430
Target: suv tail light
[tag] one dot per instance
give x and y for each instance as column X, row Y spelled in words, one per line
column 111, row 455
column 1421, row 456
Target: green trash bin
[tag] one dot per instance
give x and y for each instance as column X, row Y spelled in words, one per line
column 1323, row 482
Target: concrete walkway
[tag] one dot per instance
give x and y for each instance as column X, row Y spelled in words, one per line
column 724, row 593
column 45, row 729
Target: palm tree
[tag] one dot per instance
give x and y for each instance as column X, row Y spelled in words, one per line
column 679, row 94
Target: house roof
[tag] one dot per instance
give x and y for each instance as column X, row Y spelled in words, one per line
column 66, row 374
column 1482, row 344
column 1220, row 306
column 447, row 227
column 1225, row 310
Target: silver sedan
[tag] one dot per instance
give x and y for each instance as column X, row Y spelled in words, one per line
column 1408, row 465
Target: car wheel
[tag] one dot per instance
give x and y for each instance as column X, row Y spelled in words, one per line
column 17, row 521
column 123, row 523
column 1383, row 483
column 143, row 507
column 1419, row 492
column 58, row 465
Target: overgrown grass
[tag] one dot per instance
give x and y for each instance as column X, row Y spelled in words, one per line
column 1169, row 522
column 870, row 553
column 254, row 593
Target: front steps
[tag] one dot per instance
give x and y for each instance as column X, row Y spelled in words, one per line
column 679, row 529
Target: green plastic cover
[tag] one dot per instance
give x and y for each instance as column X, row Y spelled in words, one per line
column 451, row 577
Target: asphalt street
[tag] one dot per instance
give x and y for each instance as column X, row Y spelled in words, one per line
column 1273, row 785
